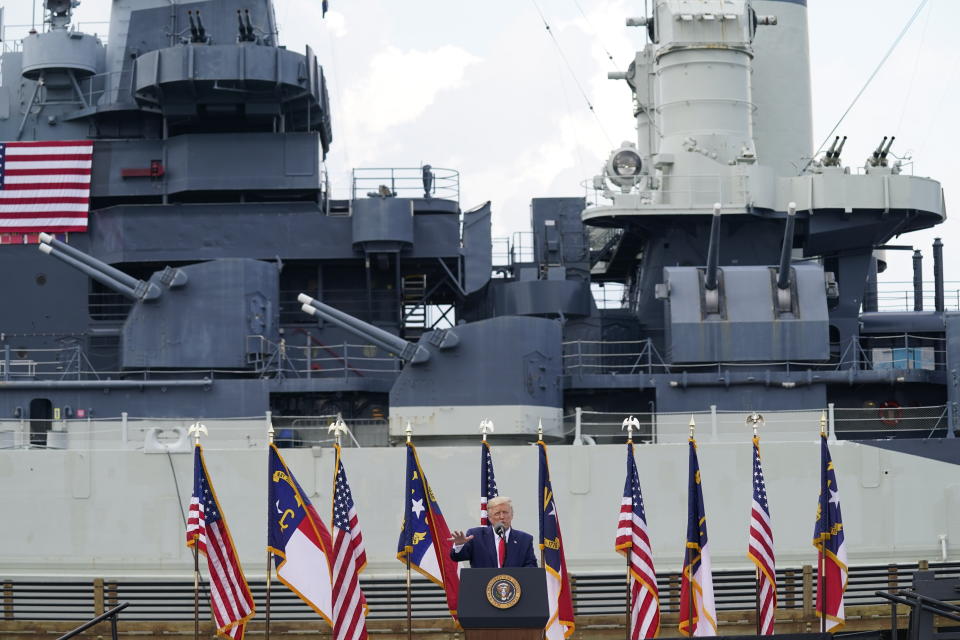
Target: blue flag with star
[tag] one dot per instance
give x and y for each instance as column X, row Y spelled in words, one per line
column 424, row 536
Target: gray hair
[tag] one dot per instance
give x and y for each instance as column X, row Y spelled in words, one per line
column 493, row 502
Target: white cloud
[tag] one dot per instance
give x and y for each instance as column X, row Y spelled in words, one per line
column 336, row 24
column 402, row 84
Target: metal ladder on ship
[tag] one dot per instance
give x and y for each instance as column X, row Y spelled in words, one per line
column 414, row 293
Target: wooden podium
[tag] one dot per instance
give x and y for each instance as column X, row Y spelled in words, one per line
column 503, row 604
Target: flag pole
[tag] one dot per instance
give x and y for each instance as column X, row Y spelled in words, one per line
column 754, row 419
column 409, row 432
column 338, row 427
column 196, row 590
column 629, row 424
column 690, row 591
column 539, row 498
column 821, row 560
column 269, row 553
column 195, row 430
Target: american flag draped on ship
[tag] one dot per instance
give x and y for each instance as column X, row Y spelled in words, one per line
column 45, row 186
column 488, row 483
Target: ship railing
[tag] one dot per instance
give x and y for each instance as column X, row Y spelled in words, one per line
column 51, row 363
column 108, row 306
column 404, row 182
column 690, row 191
column 894, row 352
column 57, row 603
column 320, row 360
column 314, row 431
column 879, row 419
column 94, row 87
column 591, row 357
column 899, row 296
column 161, row 435
column 518, row 248
column 12, row 35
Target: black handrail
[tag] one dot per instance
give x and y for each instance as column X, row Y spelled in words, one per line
column 922, row 602
column 112, row 614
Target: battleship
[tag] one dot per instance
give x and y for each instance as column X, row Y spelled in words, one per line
column 215, row 277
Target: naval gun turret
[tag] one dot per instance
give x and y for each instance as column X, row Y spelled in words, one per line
column 111, row 277
column 216, row 314
column 407, row 351
column 719, row 314
column 514, row 363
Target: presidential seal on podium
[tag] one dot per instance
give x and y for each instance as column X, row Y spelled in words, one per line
column 503, row 591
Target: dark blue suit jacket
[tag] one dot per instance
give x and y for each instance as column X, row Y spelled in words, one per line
column 482, row 550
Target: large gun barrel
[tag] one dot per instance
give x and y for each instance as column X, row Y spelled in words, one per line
column 407, row 351
column 783, row 275
column 98, row 270
column 879, row 149
column 713, row 251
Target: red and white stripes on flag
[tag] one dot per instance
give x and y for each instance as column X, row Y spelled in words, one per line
column 632, row 539
column 349, row 559
column 488, row 483
column 760, row 548
column 230, row 598
column 45, row 186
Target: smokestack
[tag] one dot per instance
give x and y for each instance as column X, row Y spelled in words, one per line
column 938, row 274
column 917, row 280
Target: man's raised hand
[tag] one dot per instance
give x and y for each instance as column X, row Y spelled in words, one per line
column 458, row 538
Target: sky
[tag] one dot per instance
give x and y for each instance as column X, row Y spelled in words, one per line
column 482, row 88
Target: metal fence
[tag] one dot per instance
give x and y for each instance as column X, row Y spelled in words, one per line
column 843, row 423
column 593, row 594
column 875, row 352
column 406, row 182
column 166, row 434
column 898, row 295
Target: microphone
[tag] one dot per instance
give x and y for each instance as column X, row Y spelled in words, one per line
column 499, row 529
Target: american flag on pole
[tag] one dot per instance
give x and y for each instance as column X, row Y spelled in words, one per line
column 561, row 623
column 760, row 547
column 488, row 484
column 349, row 559
column 632, row 539
column 696, row 586
column 828, row 538
column 207, row 531
column 45, row 186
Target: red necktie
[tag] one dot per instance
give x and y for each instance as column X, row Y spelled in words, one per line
column 502, row 550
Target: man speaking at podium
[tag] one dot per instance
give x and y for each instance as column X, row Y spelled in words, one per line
column 497, row 545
